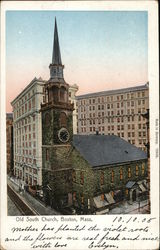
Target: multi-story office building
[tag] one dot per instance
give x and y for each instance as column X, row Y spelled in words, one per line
column 116, row 112
column 9, row 142
column 72, row 97
column 28, row 133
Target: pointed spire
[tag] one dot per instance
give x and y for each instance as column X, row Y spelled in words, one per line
column 56, row 56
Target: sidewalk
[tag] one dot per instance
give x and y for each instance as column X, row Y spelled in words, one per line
column 32, row 202
column 126, row 208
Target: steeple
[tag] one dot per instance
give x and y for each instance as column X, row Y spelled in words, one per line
column 56, row 67
column 56, row 56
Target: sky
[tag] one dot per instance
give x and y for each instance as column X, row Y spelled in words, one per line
column 101, row 50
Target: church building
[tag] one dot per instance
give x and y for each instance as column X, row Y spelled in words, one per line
column 89, row 173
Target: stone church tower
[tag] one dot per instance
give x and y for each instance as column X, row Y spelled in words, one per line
column 57, row 133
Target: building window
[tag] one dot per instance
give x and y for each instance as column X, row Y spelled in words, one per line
column 112, row 176
column 142, row 168
column 137, row 170
column 112, row 193
column 102, row 178
column 33, row 102
column 47, row 154
column 82, row 178
column 63, row 119
column 29, row 105
column 74, row 196
column 129, row 172
column 74, row 176
column 121, row 174
column 82, row 199
column 102, row 197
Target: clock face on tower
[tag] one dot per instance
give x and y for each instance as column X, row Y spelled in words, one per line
column 63, row 135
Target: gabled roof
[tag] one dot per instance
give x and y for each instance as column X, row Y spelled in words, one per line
column 102, row 150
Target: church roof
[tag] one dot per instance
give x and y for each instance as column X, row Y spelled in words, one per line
column 56, row 57
column 102, row 150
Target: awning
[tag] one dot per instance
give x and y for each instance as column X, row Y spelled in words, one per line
column 109, row 198
column 142, row 185
column 130, row 184
column 99, row 202
column 105, row 211
column 143, row 189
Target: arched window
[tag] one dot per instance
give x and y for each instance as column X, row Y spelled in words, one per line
column 102, row 197
column 55, row 94
column 74, row 196
column 82, row 178
column 112, row 176
column 137, row 170
column 102, row 178
column 129, row 172
column 62, row 94
column 82, row 199
column 63, row 119
column 74, row 176
column 142, row 168
column 121, row 174
column 47, row 119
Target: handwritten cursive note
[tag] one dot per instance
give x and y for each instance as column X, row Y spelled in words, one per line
column 61, row 233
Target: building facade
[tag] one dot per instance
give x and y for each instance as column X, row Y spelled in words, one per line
column 28, row 133
column 106, row 170
column 9, row 142
column 89, row 173
column 57, row 132
column 116, row 112
column 72, row 97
